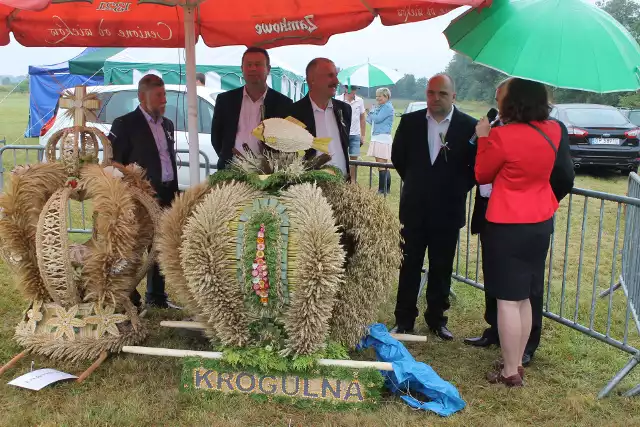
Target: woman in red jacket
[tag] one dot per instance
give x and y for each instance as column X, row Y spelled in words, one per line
column 517, row 159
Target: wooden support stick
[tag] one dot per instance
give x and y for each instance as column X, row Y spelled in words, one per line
column 13, row 361
column 93, row 367
column 199, row 326
column 172, row 352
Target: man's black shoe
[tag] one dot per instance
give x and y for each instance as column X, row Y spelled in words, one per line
column 401, row 330
column 480, row 341
column 442, row 332
column 527, row 359
column 164, row 304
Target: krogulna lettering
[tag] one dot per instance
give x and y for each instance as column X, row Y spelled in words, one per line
column 287, row 385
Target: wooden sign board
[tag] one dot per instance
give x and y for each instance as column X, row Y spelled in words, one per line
column 345, row 391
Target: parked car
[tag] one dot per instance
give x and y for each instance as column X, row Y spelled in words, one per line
column 116, row 101
column 600, row 135
column 632, row 115
column 415, row 106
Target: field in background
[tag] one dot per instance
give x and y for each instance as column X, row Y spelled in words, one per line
column 568, row 371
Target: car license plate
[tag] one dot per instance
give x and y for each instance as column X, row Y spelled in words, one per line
column 605, row 141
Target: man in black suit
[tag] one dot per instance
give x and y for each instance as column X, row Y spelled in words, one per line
column 562, row 178
column 239, row 111
column 325, row 116
column 432, row 155
column 146, row 137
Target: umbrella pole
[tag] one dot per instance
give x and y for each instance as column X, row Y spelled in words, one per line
column 192, row 95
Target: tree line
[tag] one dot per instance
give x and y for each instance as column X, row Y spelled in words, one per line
column 477, row 83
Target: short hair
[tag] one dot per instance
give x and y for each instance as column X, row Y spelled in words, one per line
column 384, row 91
column 254, row 49
column 201, row 78
column 311, row 66
column 526, row 101
column 149, row 82
column 503, row 83
column 448, row 76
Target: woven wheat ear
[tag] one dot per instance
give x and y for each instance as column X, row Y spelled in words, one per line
column 207, row 256
column 318, row 269
column 372, row 231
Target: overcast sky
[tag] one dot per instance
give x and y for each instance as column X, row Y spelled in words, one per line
column 418, row 48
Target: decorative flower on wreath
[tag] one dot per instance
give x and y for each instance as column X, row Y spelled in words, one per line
column 341, row 118
column 260, row 280
column 105, row 320
column 65, row 321
column 111, row 171
column 444, row 145
column 34, row 315
column 72, row 182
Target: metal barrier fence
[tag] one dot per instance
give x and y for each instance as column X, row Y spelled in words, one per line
column 630, row 278
column 80, row 219
column 584, row 263
column 596, row 240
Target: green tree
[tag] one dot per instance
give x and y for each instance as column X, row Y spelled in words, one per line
column 6, row 81
column 630, row 101
column 23, row 87
column 473, row 82
column 627, row 12
column 405, row 87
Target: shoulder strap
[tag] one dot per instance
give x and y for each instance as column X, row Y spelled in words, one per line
column 544, row 135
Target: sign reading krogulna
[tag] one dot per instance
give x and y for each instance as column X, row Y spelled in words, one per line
column 278, row 385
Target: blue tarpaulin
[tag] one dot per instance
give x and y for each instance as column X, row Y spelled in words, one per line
column 46, row 83
column 410, row 377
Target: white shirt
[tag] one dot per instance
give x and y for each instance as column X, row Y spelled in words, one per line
column 485, row 190
column 327, row 127
column 250, row 117
column 435, row 129
column 357, row 109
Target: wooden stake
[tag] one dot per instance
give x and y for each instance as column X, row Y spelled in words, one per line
column 174, row 352
column 93, row 367
column 199, row 326
column 13, row 361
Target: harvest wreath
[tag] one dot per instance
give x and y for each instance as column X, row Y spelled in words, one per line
column 278, row 254
column 79, row 292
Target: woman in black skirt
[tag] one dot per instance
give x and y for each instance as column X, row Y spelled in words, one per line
column 518, row 159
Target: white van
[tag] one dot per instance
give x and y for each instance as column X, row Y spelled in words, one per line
column 116, row 101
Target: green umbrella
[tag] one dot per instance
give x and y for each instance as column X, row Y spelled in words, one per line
column 369, row 75
column 563, row 43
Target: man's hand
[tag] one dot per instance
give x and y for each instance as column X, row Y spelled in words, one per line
column 361, row 141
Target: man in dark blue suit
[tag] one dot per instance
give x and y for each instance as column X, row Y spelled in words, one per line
column 146, row 137
column 239, row 111
column 432, row 155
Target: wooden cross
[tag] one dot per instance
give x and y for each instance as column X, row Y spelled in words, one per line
column 81, row 108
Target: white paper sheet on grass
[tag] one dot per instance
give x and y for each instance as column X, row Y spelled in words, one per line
column 37, row 380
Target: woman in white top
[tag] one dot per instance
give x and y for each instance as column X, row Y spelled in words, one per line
column 381, row 120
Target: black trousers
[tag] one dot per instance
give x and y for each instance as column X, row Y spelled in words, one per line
column 156, row 294
column 441, row 245
column 491, row 317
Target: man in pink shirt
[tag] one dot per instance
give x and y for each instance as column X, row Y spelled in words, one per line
column 146, row 137
column 239, row 111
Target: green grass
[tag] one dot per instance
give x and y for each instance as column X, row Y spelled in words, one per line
column 569, row 370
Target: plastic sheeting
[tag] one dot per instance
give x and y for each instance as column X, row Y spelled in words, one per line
column 410, row 377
